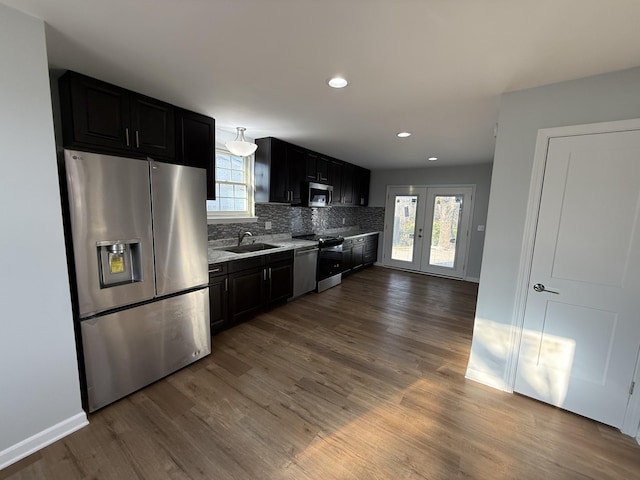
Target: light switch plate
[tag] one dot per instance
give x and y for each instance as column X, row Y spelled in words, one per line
column 267, row 225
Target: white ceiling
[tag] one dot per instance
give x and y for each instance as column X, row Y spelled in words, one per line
column 435, row 68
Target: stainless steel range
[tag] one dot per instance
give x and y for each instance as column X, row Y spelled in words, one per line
column 329, row 273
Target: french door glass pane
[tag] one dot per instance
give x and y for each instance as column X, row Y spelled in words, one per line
column 444, row 231
column 404, row 227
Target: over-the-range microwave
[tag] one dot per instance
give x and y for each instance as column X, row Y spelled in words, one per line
column 317, row 195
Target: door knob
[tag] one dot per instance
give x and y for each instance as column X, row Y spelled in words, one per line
column 538, row 287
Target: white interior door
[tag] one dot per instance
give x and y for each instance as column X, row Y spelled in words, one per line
column 581, row 331
column 404, row 227
column 447, row 230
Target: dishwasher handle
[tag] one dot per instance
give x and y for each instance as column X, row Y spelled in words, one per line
column 305, row 251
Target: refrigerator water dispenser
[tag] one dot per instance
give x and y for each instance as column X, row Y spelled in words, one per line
column 120, row 262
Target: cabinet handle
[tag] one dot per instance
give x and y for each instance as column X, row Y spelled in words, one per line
column 226, row 284
column 126, row 133
column 264, row 274
column 137, row 139
column 269, row 273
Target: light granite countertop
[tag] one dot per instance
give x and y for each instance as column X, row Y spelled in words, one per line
column 217, row 254
column 358, row 233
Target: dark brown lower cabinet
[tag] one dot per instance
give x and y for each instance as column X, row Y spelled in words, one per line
column 359, row 252
column 280, row 281
column 218, row 297
column 370, row 254
column 248, row 286
column 246, row 293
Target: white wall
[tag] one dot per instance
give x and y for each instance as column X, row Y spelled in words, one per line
column 480, row 175
column 608, row 97
column 39, row 386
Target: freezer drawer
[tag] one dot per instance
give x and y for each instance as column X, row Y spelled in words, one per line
column 127, row 350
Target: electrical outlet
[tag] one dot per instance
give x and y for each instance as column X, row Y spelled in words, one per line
column 344, row 220
column 267, row 225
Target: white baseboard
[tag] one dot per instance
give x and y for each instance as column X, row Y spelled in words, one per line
column 487, row 379
column 42, row 439
column 472, row 279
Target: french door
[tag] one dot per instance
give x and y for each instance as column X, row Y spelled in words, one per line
column 427, row 229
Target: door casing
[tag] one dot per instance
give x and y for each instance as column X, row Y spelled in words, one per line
column 632, row 417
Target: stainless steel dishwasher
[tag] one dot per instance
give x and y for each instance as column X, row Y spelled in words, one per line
column 305, row 265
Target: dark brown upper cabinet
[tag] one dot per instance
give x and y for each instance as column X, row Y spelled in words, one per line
column 296, row 172
column 317, row 168
column 282, row 168
column 195, row 144
column 361, row 186
column 106, row 118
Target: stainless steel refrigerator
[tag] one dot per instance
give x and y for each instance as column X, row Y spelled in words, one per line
column 139, row 246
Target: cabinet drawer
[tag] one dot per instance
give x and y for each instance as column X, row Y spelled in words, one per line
column 217, row 269
column 246, row 264
column 280, row 256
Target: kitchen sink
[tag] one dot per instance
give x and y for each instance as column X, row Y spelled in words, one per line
column 250, row 247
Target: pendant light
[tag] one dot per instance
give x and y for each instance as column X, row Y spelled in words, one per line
column 240, row 147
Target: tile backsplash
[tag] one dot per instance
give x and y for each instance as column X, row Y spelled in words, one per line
column 286, row 219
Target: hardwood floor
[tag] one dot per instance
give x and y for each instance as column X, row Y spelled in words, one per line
column 363, row 381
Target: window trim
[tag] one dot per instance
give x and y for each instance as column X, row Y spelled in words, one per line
column 248, row 216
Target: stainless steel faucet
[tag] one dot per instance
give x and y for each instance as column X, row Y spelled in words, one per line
column 241, row 236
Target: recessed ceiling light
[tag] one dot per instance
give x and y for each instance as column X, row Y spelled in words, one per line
column 432, row 159
column 338, row 82
column 404, row 134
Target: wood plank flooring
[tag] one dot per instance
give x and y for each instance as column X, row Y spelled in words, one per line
column 363, row 381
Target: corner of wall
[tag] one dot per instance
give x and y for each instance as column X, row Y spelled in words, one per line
column 41, row 439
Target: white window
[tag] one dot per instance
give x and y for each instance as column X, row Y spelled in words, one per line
column 234, row 189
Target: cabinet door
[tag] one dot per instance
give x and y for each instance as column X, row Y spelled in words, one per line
column 356, row 259
column 195, row 144
column 152, row 122
column 94, row 113
column 279, row 191
column 347, row 259
column 322, row 169
column 361, row 193
column 280, row 278
column 218, row 302
column 311, row 174
column 246, row 293
column 348, row 172
column 370, row 250
column 335, row 179
column 296, row 159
